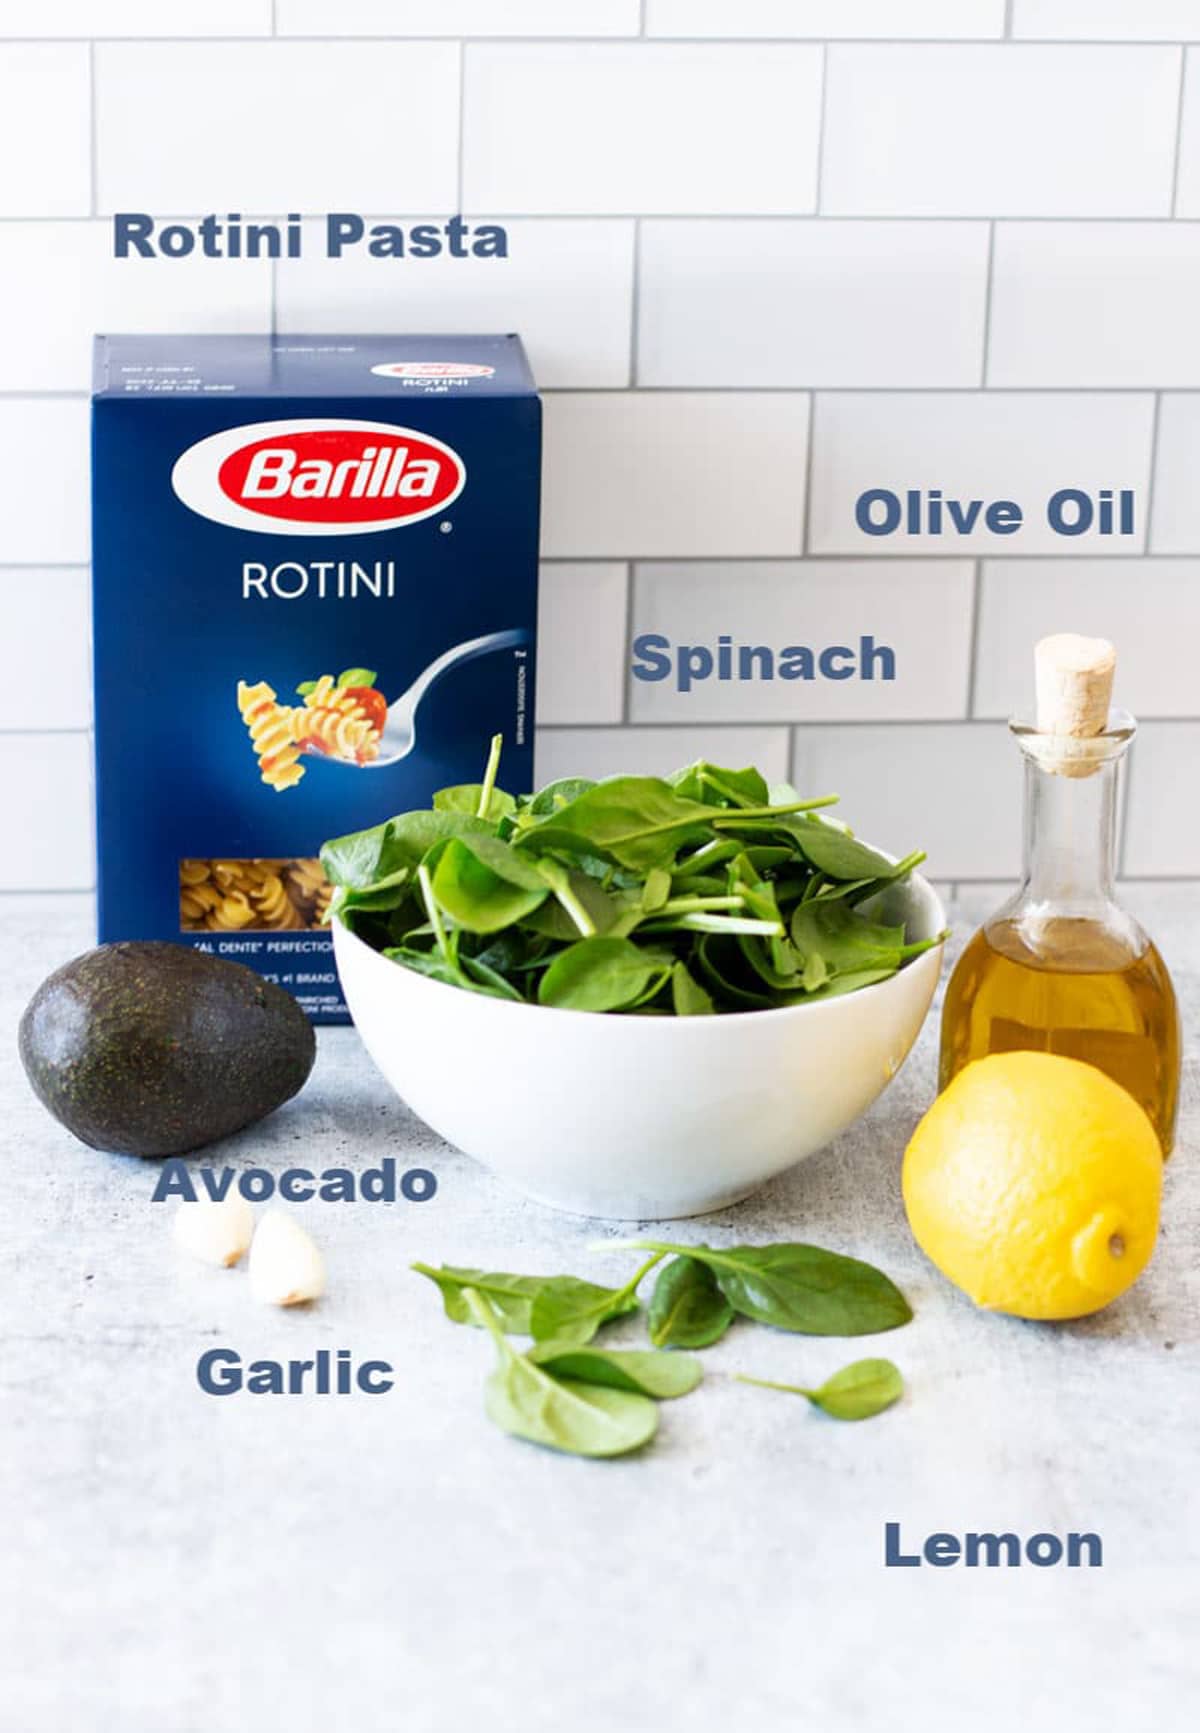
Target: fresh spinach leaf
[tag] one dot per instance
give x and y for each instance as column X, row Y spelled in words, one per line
column 466, row 796
column 710, row 784
column 356, row 677
column 847, row 940
column 570, row 1306
column 662, row 1376
column 360, row 860
column 800, row 1287
column 688, row 997
column 559, row 794
column 511, row 1297
column 569, row 1311
column 637, row 821
column 479, row 884
column 487, row 979
column 691, row 895
column 603, row 974
column 687, row 1308
column 834, row 850
column 857, row 1392
column 582, row 1419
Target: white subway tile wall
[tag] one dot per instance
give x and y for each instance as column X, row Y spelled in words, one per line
column 674, row 474
column 1117, row 20
column 656, row 751
column 1000, row 130
column 1095, row 304
column 723, row 642
column 827, row 18
column 581, row 642
column 1022, row 447
column 97, row 18
column 45, row 146
column 948, row 788
column 1147, row 607
column 1163, row 824
column 1175, row 524
column 457, row 17
column 566, row 286
column 276, row 126
column 645, row 127
column 766, row 257
column 811, row 303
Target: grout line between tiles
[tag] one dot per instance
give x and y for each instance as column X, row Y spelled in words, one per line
column 1063, row 219
column 973, row 638
column 635, row 305
column 460, row 185
column 1008, row 20
column 625, row 39
column 94, row 173
column 1184, row 59
column 822, row 111
column 627, row 672
column 985, row 360
column 1152, row 480
column 806, row 502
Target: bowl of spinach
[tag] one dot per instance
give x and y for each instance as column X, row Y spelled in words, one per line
column 635, row 998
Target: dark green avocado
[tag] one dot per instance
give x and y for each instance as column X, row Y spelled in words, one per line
column 155, row 1049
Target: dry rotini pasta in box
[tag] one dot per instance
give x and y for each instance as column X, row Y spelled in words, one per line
column 314, row 596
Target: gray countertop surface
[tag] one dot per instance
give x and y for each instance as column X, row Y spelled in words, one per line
column 175, row 1562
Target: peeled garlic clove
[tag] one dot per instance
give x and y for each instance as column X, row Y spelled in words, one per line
column 217, row 1233
column 286, row 1267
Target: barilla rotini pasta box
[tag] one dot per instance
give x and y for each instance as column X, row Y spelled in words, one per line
column 315, row 598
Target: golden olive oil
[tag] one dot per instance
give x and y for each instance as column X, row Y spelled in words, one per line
column 1073, row 987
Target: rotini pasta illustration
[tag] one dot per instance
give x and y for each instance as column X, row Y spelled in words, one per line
column 335, row 722
column 271, row 735
column 340, row 718
column 264, row 895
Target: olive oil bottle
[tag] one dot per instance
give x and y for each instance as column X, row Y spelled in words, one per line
column 1061, row 967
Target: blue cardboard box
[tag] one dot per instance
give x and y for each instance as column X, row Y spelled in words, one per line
column 315, row 601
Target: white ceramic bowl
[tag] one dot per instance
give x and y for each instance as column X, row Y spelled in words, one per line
column 639, row 1117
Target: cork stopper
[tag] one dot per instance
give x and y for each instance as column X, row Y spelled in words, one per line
column 1074, row 677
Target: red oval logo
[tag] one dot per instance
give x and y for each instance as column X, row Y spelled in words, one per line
column 341, row 476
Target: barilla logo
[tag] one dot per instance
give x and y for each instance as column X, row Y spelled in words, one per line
column 333, row 478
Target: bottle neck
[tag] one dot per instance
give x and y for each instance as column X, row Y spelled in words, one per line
column 1070, row 837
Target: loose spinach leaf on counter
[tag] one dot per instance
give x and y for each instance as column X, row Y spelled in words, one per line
column 572, row 1396
column 563, row 1308
column 687, row 1308
column 662, row 1376
column 800, row 1287
column 511, row 1297
column 858, row 1391
column 698, row 894
column 569, row 1311
column 566, row 1414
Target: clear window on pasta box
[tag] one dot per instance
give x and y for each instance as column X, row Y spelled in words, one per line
column 235, row 896
column 314, row 601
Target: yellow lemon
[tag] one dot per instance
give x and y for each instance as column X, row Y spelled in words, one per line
column 1034, row 1182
